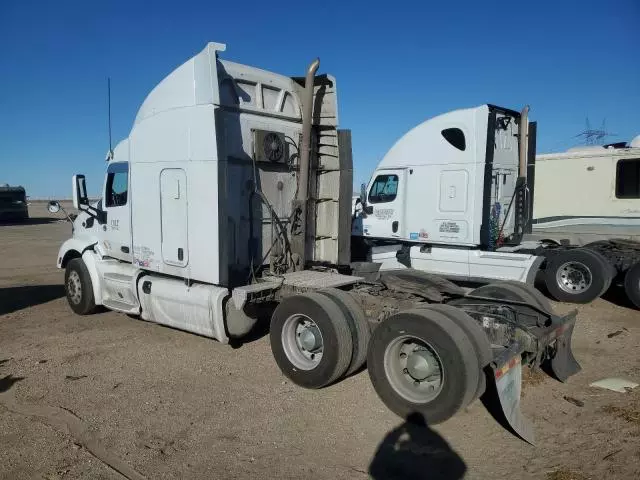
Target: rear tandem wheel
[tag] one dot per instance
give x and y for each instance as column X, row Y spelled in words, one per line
column 310, row 339
column 474, row 331
column 632, row 284
column 577, row 276
column 358, row 325
column 421, row 361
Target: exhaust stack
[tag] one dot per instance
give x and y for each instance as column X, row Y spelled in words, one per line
column 305, row 149
column 299, row 225
column 522, row 141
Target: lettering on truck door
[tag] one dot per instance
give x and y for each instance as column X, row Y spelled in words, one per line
column 386, row 196
column 117, row 230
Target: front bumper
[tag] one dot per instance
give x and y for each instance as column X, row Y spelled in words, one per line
column 8, row 214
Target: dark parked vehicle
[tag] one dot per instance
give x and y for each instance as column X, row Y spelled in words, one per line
column 13, row 204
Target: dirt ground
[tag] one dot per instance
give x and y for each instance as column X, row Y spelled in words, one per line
column 108, row 396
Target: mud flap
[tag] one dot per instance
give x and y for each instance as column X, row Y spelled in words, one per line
column 563, row 364
column 508, row 381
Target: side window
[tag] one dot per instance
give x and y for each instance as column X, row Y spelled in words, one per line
column 117, row 185
column 628, row 178
column 455, row 137
column 384, row 189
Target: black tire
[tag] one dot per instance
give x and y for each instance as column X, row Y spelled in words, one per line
column 336, row 338
column 474, row 331
column 610, row 268
column 580, row 259
column 79, row 288
column 358, row 325
column 610, row 254
column 456, row 355
column 632, row 284
column 517, row 291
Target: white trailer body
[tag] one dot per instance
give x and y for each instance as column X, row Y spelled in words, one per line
column 588, row 194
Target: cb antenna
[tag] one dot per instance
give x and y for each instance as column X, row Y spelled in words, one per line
column 110, row 156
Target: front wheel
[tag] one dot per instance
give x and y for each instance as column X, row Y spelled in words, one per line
column 78, row 287
column 420, row 361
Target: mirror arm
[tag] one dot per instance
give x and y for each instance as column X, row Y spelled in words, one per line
column 366, row 208
column 66, row 214
column 93, row 212
column 99, row 215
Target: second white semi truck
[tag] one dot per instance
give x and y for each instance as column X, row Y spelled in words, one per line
column 454, row 197
column 231, row 197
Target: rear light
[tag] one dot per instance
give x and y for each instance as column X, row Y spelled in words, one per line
column 500, row 372
column 558, row 332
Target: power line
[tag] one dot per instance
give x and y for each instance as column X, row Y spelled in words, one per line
column 594, row 136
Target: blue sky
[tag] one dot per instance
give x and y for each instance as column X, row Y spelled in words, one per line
column 396, row 64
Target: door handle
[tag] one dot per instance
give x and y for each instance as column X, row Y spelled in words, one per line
column 394, row 227
column 124, row 249
column 180, row 254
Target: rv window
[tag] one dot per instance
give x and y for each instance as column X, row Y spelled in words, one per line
column 384, row 189
column 455, row 137
column 117, row 185
column 628, row 178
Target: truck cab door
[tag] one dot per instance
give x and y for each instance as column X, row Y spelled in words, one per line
column 116, row 232
column 386, row 199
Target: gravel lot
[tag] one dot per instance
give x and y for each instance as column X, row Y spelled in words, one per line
column 108, row 396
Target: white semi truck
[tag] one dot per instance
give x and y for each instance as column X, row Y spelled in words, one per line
column 231, row 197
column 454, row 197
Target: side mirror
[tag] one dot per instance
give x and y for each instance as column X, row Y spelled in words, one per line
column 366, row 209
column 80, row 198
column 53, row 207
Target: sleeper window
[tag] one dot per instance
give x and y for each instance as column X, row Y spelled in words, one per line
column 384, row 189
column 455, row 137
column 628, row 178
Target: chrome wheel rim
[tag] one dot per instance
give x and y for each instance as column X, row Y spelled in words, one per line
column 414, row 369
column 302, row 342
column 74, row 287
column 574, row 277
